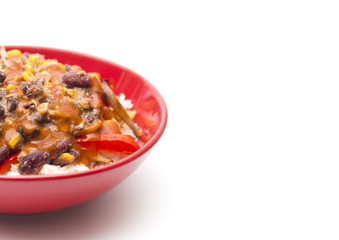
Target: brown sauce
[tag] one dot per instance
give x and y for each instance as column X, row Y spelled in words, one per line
column 45, row 106
column 63, row 118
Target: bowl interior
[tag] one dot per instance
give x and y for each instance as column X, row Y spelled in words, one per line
column 147, row 101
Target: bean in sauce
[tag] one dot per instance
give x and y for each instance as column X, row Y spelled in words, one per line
column 44, row 105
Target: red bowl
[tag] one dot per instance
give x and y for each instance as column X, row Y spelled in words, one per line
column 43, row 193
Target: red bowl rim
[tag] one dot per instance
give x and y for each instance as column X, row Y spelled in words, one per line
column 145, row 148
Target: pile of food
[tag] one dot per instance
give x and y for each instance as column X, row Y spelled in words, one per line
column 57, row 118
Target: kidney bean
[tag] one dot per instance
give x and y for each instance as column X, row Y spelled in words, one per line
column 92, row 116
column 40, row 118
column 34, row 91
column 63, row 145
column 11, row 103
column 4, row 153
column 2, row 76
column 22, row 132
column 75, row 153
column 25, row 87
column 2, row 94
column 29, row 105
column 77, row 79
column 2, row 111
column 62, row 161
column 32, row 163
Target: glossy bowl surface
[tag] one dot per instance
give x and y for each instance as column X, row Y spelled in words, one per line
column 43, row 193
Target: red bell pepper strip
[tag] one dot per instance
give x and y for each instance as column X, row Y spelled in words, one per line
column 119, row 143
column 6, row 165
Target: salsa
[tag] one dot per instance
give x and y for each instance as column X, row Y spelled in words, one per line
column 58, row 114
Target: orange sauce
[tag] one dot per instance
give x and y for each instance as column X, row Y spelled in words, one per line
column 63, row 112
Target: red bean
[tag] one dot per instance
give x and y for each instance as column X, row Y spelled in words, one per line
column 63, row 146
column 75, row 153
column 4, row 153
column 92, row 116
column 2, row 111
column 34, row 91
column 77, row 79
column 2, row 76
column 11, row 103
column 32, row 163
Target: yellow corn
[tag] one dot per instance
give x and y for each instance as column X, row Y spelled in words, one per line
column 43, row 108
column 29, row 68
column 84, row 103
column 31, row 58
column 27, row 75
column 61, row 66
column 14, row 140
column 71, row 92
column 67, row 157
column 46, row 62
column 70, row 100
column 14, row 52
column 10, row 87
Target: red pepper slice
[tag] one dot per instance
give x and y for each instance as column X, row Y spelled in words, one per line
column 120, row 143
column 6, row 165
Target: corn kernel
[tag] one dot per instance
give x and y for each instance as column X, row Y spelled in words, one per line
column 14, row 52
column 70, row 100
column 61, row 66
column 68, row 157
column 46, row 62
column 29, row 68
column 31, row 58
column 15, row 140
column 43, row 108
column 27, row 75
column 10, row 87
column 84, row 103
column 71, row 92
column 65, row 158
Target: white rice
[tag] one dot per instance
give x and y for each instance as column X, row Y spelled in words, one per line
column 52, row 169
column 55, row 169
column 126, row 103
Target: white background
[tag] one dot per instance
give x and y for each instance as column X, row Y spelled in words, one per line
column 251, row 146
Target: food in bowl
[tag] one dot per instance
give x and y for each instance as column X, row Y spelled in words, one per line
column 37, row 193
column 57, row 118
